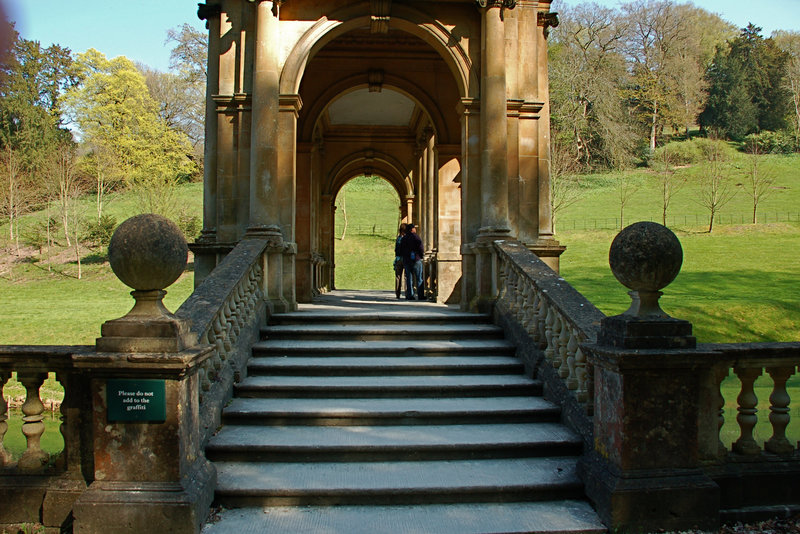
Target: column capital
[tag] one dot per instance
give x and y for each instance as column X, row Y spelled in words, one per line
column 507, row 4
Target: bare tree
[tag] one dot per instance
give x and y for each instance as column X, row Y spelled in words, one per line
column 65, row 183
column 759, row 179
column 715, row 187
column 13, row 191
column 789, row 42
column 565, row 186
column 626, row 187
column 669, row 183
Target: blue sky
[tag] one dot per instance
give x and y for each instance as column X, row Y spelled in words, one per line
column 137, row 28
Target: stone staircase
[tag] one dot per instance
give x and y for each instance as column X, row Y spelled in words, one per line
column 395, row 418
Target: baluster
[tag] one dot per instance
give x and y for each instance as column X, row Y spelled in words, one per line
column 580, row 373
column 720, row 376
column 747, row 417
column 561, row 354
column 589, row 388
column 542, row 321
column 526, row 315
column 572, row 348
column 779, row 411
column 227, row 325
column 549, row 335
column 533, row 324
column 519, row 297
column 502, row 279
column 536, row 333
column 5, row 456
column 32, row 426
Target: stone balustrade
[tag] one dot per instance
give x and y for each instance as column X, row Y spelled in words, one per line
column 226, row 311
column 551, row 321
column 647, row 400
column 52, row 483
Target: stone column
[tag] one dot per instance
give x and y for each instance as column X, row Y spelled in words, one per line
column 431, row 187
column 264, row 197
column 205, row 260
column 528, row 126
column 494, row 134
column 264, row 182
column 544, row 21
column 327, row 210
column 470, row 196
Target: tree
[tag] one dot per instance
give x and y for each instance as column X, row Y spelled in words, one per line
column 14, row 190
column 65, row 184
column 626, row 187
column 669, row 184
column 759, row 180
column 715, row 187
column 656, row 32
column 789, row 43
column 189, row 58
column 565, row 187
column 115, row 113
column 587, row 74
column 688, row 65
column 748, row 91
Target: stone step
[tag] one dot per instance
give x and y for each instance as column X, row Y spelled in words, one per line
column 331, row 412
column 555, row 517
column 390, row 442
column 381, row 365
column 387, row 386
column 407, row 347
column 411, row 482
column 432, row 315
column 382, row 331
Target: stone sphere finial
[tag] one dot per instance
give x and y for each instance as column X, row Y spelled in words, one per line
column 148, row 252
column 645, row 257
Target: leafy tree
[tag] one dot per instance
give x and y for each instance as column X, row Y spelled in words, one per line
column 115, row 113
column 747, row 88
column 31, row 128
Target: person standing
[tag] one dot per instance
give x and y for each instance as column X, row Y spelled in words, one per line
column 412, row 253
column 398, row 261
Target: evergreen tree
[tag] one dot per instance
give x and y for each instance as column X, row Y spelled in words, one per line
column 747, row 89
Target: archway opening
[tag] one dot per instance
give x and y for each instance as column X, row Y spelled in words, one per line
column 365, row 227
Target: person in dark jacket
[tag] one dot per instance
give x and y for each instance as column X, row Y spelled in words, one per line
column 412, row 253
column 398, row 261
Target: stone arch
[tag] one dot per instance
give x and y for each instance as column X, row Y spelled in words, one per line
column 412, row 21
column 392, row 81
column 385, row 165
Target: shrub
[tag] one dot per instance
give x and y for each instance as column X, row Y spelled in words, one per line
column 780, row 142
column 99, row 232
column 190, row 225
column 690, row 152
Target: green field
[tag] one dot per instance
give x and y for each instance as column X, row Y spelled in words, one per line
column 738, row 284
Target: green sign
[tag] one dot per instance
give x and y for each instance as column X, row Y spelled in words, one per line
column 136, row 400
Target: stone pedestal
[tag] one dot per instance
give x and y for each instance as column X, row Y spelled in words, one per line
column 149, row 475
column 644, row 472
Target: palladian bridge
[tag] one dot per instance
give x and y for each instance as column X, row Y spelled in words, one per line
column 271, row 402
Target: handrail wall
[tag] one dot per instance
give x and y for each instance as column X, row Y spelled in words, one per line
column 548, row 319
column 227, row 311
column 556, row 328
